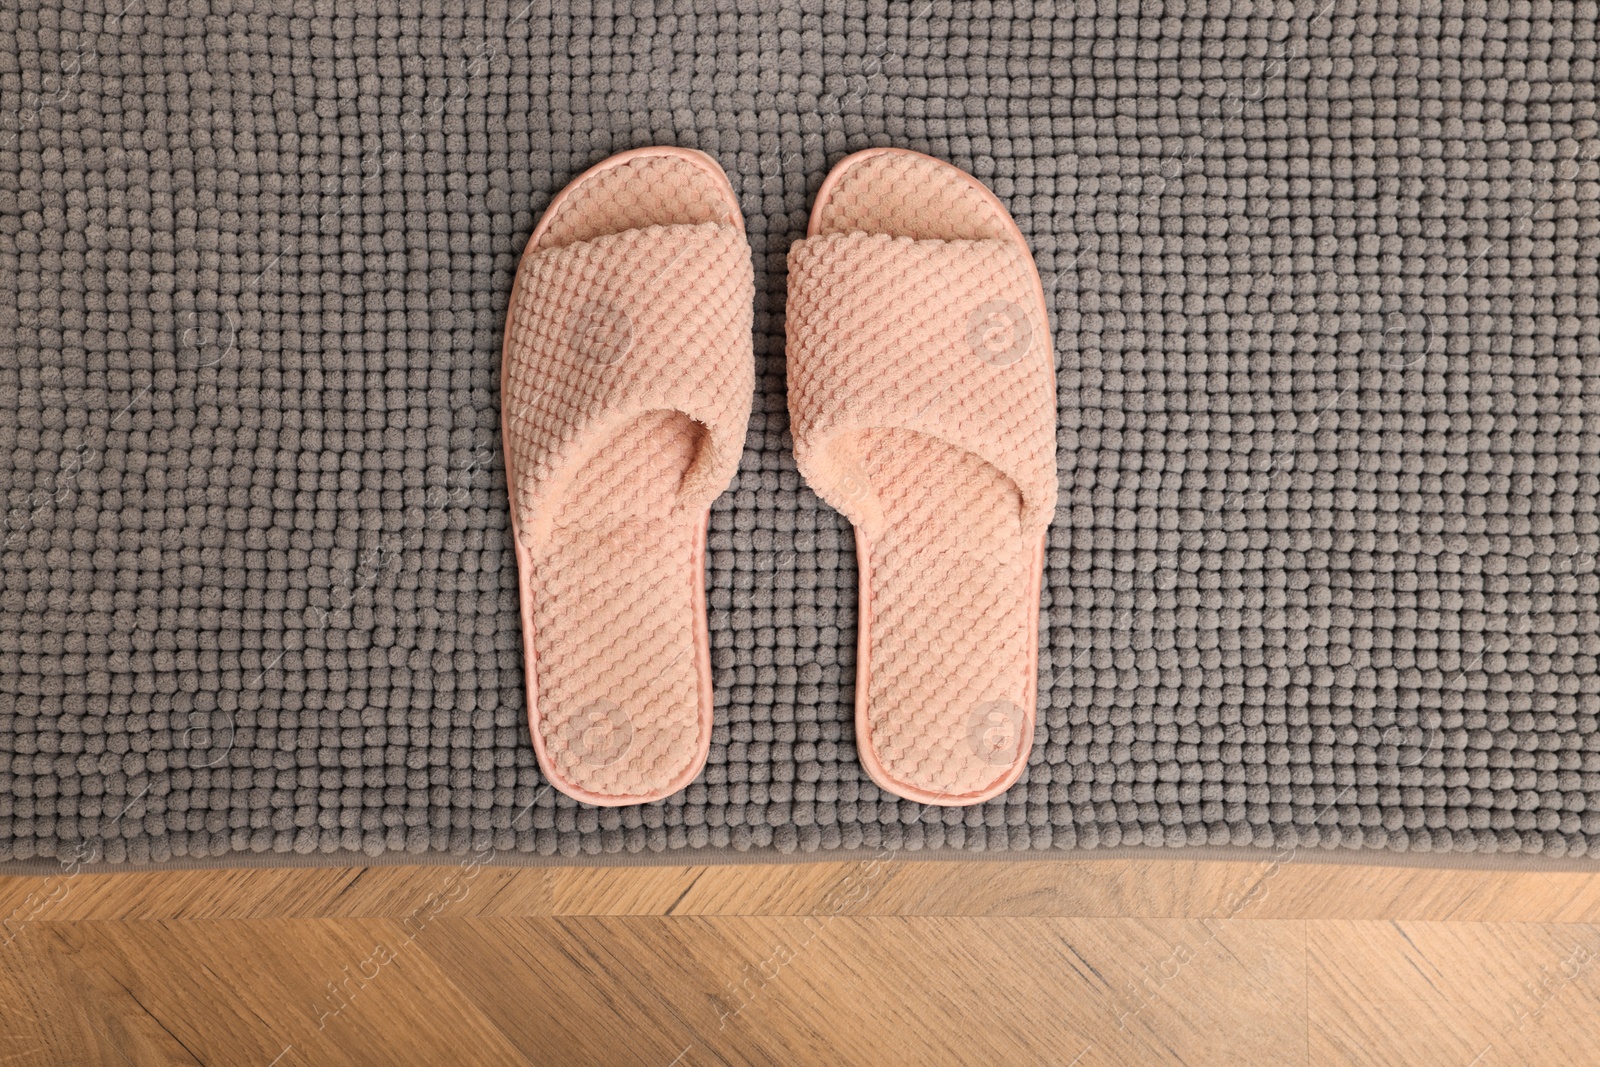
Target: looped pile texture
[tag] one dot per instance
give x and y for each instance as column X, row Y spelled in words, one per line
column 1327, row 321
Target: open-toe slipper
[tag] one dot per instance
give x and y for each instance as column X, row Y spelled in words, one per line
column 626, row 383
column 923, row 407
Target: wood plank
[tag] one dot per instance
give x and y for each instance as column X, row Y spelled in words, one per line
column 42, row 1017
column 1066, row 888
column 267, row 991
column 272, row 893
column 1453, row 993
column 883, row 990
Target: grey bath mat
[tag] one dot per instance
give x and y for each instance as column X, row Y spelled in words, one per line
column 1326, row 298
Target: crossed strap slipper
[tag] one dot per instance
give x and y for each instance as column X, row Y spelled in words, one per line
column 626, row 383
column 923, row 407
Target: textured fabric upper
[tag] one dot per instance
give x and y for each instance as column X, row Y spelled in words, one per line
column 610, row 328
column 1327, row 321
column 941, row 337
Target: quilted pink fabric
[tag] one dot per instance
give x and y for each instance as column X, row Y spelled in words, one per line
column 628, row 381
column 940, row 337
column 610, row 328
column 922, row 398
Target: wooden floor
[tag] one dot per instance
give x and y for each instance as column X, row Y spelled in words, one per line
column 884, row 961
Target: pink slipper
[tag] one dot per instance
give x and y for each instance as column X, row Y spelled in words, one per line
column 923, row 404
column 625, row 386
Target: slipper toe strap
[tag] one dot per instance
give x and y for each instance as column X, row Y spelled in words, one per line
column 603, row 331
column 945, row 338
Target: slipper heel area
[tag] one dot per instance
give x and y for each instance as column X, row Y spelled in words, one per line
column 948, row 700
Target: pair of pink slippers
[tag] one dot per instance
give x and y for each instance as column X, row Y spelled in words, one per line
column 922, row 400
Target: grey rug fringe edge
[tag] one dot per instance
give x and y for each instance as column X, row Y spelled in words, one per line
column 1343, row 856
